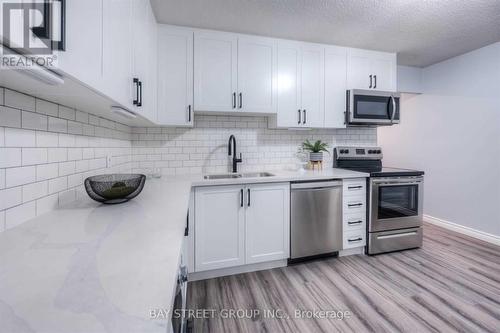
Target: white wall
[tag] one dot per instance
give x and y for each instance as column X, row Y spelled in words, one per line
column 452, row 132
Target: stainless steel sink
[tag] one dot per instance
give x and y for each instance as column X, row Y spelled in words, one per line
column 223, row 176
column 256, row 174
column 238, row 175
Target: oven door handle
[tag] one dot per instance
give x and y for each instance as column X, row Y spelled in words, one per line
column 401, row 234
column 398, row 182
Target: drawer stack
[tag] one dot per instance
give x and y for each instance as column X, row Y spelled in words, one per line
column 354, row 213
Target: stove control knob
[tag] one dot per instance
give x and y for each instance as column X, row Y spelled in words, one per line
column 379, row 151
column 346, row 151
column 370, row 151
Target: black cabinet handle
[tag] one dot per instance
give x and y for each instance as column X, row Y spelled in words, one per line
column 136, row 99
column 241, row 198
column 354, row 187
column 234, row 100
column 139, row 103
column 248, row 192
column 189, row 113
column 355, row 239
column 305, row 119
column 375, row 78
column 299, row 117
column 354, row 222
column 241, row 100
column 371, row 80
column 355, row 205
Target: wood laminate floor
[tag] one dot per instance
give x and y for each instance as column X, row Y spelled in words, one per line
column 451, row 284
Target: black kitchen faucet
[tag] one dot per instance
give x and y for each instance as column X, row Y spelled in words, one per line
column 230, row 151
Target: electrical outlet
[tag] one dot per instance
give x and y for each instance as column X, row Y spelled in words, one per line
column 108, row 161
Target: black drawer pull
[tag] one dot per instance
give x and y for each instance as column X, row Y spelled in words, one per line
column 241, row 198
column 355, row 239
column 355, row 187
column 355, row 205
column 354, row 222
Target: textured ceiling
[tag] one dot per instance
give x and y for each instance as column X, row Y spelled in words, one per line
column 423, row 32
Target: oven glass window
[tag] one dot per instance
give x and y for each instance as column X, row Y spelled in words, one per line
column 398, row 201
column 371, row 107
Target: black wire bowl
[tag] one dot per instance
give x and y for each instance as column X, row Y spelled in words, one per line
column 114, row 188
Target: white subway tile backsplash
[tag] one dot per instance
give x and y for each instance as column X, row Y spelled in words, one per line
column 57, row 154
column 75, row 127
column 16, row 137
column 82, row 117
column 32, row 156
column 34, row 191
column 47, row 139
column 19, row 101
column 10, row 117
column 19, row 214
column 58, row 125
column 39, row 141
column 66, row 140
column 10, row 197
column 10, row 157
column 47, row 204
column 31, row 120
column 67, row 113
column 66, row 168
column 58, row 184
column 47, row 108
column 20, row 176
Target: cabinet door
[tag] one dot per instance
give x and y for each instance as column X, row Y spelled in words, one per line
column 313, row 85
column 335, row 86
column 175, row 76
column 267, row 222
column 257, row 75
column 117, row 51
column 83, row 56
column 359, row 70
column 219, row 227
column 215, row 71
column 288, row 77
column 384, row 67
column 144, row 29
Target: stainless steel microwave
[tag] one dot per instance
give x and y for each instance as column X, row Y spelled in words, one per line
column 372, row 108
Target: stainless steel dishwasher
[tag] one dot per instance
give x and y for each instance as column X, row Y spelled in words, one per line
column 316, row 219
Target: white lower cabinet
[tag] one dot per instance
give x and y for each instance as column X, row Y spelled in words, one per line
column 354, row 213
column 241, row 224
column 267, row 221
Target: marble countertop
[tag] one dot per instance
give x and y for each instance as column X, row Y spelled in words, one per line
column 88, row 267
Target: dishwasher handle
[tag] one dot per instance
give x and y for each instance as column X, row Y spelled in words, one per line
column 315, row 185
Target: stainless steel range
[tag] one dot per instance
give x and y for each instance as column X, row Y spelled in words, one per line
column 394, row 196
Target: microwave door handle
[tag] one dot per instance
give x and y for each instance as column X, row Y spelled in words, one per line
column 393, row 100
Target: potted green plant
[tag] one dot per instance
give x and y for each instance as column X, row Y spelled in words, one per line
column 315, row 149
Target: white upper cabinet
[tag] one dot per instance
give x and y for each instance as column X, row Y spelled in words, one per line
column 234, row 73
column 117, row 51
column 82, row 58
column 335, row 86
column 289, row 84
column 313, row 85
column 215, row 71
column 301, row 85
column 175, row 76
column 267, row 221
column 371, row 70
column 257, row 61
column 144, row 69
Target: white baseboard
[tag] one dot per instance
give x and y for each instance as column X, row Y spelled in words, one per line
column 195, row 276
column 493, row 239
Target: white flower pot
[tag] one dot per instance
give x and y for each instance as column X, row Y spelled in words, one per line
column 316, row 157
